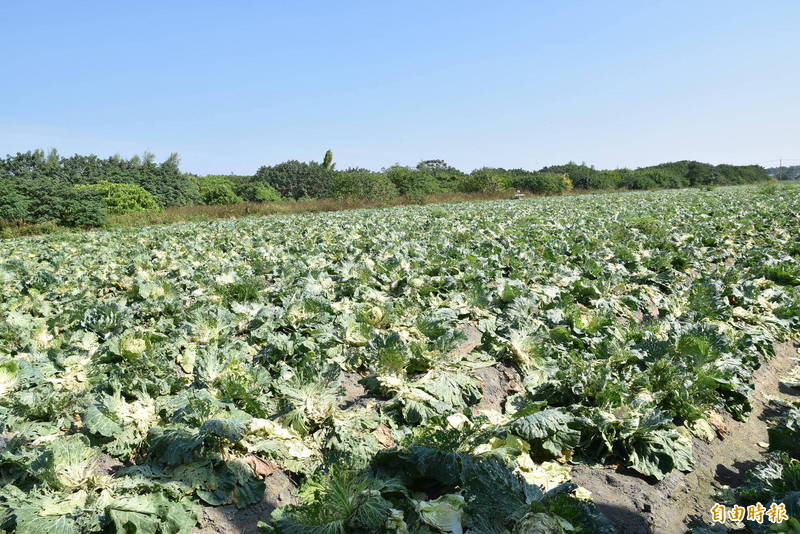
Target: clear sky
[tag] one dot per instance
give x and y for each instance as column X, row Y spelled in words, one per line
column 232, row 85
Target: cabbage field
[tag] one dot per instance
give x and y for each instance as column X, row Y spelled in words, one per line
column 424, row 369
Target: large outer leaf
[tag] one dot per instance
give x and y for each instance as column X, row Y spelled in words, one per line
column 152, row 514
column 99, row 421
column 549, row 429
column 658, row 452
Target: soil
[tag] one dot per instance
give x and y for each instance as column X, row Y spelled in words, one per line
column 639, row 506
column 230, row 520
column 354, row 392
column 473, row 340
column 497, row 382
column 108, row 465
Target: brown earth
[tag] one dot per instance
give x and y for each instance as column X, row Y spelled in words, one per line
column 638, row 506
column 230, row 520
column 472, row 341
column 354, row 392
column 497, row 382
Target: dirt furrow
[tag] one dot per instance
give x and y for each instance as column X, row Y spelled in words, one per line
column 637, row 506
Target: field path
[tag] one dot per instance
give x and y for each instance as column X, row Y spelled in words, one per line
column 636, row 506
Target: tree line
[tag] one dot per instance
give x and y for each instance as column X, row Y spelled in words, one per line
column 790, row 172
column 80, row 191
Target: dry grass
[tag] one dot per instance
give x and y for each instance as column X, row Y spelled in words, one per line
column 260, row 209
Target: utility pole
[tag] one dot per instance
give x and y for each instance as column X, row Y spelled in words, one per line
column 780, row 169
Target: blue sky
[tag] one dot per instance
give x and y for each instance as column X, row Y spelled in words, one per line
column 234, row 85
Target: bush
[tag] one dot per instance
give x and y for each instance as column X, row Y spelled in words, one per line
column 293, row 179
column 123, row 198
column 584, row 177
column 484, row 181
column 540, row 182
column 170, row 186
column 79, row 208
column 216, row 193
column 446, row 177
column 165, row 180
column 14, row 206
column 55, row 202
column 637, row 179
column 363, row 184
column 652, row 178
column 266, row 193
column 412, row 182
column 215, row 190
column 246, row 188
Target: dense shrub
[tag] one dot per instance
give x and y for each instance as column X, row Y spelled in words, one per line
column 697, row 174
column 247, row 190
column 413, row 181
column 74, row 207
column 266, row 193
column 700, row 173
column 671, row 174
column 170, row 186
column 647, row 179
column 363, row 184
column 689, row 173
column 740, row 174
column 164, row 180
column 447, row 177
column 14, row 206
column 63, row 204
column 484, row 180
column 539, row 182
column 294, row 179
column 666, row 175
column 215, row 190
column 254, row 191
column 584, row 177
column 43, row 186
column 218, row 193
column 32, row 201
column 123, row 198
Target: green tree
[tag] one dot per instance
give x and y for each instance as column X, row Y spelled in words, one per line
column 484, row 180
column 328, row 161
column 123, row 198
column 445, row 175
column 294, row 179
column 412, row 181
column 363, row 184
column 539, row 182
column 266, row 193
column 14, row 206
column 585, row 177
column 215, row 190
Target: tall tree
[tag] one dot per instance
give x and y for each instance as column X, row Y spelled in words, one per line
column 327, row 162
